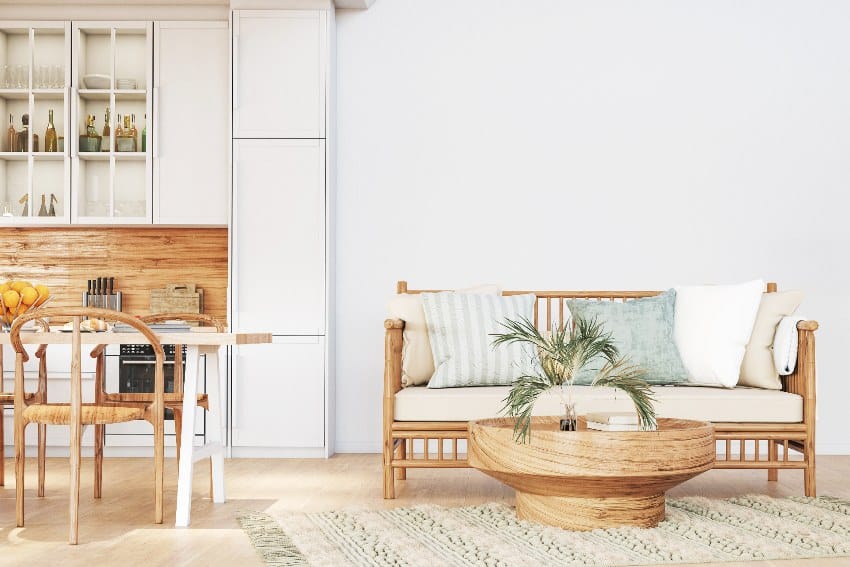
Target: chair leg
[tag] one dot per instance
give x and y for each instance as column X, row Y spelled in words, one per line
column 772, row 474
column 159, row 465
column 98, row 460
column 42, row 456
column 20, row 459
column 74, row 485
column 2, row 446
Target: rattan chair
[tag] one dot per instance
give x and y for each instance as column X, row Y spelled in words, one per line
column 8, row 399
column 75, row 413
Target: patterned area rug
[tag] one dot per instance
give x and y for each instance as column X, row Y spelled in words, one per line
column 696, row 530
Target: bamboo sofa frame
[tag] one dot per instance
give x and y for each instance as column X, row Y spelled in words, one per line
column 399, row 436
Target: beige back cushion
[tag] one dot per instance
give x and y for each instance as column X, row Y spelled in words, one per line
column 417, row 360
column 757, row 368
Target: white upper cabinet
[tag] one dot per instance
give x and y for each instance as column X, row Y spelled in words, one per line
column 35, row 62
column 279, row 236
column 191, row 121
column 112, row 86
column 280, row 74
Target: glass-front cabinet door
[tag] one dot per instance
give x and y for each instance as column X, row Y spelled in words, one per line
column 112, row 95
column 35, row 161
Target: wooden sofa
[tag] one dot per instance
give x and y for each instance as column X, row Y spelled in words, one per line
column 414, row 440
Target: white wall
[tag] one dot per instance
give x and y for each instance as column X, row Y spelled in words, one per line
column 590, row 145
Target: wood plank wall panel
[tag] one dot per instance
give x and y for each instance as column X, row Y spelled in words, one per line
column 140, row 259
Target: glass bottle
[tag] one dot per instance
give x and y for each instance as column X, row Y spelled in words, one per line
column 50, row 135
column 91, row 140
column 119, row 134
column 134, row 133
column 106, row 132
column 42, row 211
column 145, row 134
column 11, row 137
column 24, row 136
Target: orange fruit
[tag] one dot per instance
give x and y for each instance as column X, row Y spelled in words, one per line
column 11, row 298
column 43, row 294
column 4, row 288
column 29, row 295
column 19, row 285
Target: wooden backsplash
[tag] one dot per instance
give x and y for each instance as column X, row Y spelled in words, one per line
column 140, row 259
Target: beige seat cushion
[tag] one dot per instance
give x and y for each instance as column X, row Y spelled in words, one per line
column 757, row 368
column 749, row 405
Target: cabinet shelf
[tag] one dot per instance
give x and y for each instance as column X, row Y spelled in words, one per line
column 14, row 156
column 119, row 156
column 49, row 94
column 120, row 94
column 14, row 94
column 48, row 156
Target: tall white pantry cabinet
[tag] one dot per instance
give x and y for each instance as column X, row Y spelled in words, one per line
column 281, row 400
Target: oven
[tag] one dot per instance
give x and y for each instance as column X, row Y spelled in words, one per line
column 130, row 369
column 136, row 364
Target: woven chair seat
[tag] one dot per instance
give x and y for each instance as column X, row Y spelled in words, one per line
column 60, row 414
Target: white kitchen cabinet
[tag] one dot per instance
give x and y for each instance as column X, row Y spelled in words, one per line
column 281, row 239
column 280, row 73
column 112, row 82
column 192, row 121
column 34, row 74
column 107, row 69
column 279, row 243
column 278, row 400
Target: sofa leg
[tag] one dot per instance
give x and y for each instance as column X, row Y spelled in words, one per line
column 389, row 483
column 772, row 474
column 401, row 472
column 809, row 478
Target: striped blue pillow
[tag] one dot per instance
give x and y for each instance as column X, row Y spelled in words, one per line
column 460, row 328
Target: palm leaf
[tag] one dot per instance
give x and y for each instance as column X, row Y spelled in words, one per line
column 563, row 353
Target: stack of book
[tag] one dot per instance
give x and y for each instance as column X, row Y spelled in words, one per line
column 613, row 421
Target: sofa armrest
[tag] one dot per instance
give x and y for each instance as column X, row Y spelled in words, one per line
column 802, row 380
column 393, row 342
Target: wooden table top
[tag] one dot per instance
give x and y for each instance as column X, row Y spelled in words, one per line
column 201, row 338
column 543, row 424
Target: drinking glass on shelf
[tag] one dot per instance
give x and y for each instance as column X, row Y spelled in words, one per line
column 6, row 209
column 57, row 76
column 41, row 76
column 4, row 77
column 22, row 78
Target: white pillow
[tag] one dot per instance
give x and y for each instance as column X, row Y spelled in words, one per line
column 417, row 362
column 712, row 327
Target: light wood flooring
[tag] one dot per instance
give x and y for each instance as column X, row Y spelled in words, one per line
column 119, row 529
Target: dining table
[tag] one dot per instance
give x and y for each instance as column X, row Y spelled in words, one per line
column 198, row 341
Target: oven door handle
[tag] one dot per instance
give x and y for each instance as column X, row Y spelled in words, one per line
column 144, row 362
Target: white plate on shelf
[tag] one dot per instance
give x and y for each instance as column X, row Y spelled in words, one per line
column 126, row 84
column 95, row 81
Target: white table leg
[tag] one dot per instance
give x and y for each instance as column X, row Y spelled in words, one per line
column 215, row 424
column 190, row 400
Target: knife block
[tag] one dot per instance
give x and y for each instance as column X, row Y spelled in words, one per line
column 105, row 301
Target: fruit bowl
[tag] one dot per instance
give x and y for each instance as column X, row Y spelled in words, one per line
column 18, row 297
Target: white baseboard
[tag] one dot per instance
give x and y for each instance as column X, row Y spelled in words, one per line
column 358, row 447
column 832, row 448
column 278, row 453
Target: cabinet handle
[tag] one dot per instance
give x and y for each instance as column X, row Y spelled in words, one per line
column 155, row 122
column 235, row 71
column 74, row 141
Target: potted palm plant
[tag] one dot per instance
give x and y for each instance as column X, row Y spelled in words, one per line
column 562, row 354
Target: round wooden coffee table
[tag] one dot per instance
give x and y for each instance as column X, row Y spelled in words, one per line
column 585, row 479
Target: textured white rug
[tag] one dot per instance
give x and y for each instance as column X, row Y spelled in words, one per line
column 696, row 530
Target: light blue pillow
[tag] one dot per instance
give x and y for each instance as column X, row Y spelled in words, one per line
column 460, row 326
column 642, row 330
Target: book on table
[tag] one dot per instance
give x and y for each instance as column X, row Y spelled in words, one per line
column 613, row 417
column 613, row 426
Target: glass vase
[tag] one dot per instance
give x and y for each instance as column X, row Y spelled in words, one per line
column 569, row 421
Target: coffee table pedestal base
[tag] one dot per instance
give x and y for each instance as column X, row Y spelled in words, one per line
column 588, row 513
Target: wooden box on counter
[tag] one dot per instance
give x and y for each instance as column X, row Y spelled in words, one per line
column 177, row 298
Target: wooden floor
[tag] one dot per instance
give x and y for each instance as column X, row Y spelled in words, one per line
column 119, row 529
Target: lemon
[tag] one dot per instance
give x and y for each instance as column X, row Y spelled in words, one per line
column 19, row 285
